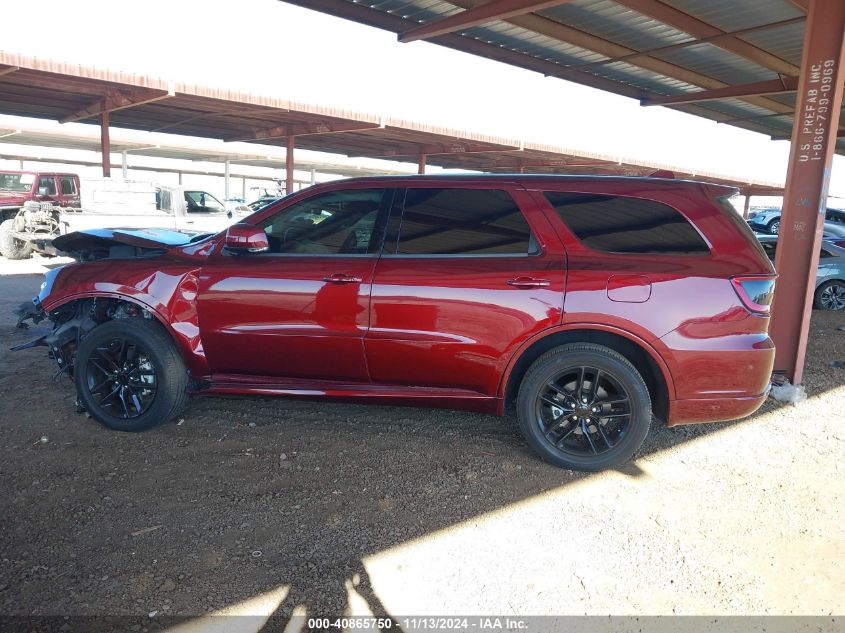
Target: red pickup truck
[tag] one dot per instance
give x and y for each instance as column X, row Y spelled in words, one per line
column 16, row 187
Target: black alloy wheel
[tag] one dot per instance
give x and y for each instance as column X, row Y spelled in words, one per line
column 584, row 406
column 129, row 375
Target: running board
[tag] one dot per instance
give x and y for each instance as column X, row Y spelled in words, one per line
column 220, row 384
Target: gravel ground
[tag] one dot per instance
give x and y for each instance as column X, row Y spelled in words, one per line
column 271, row 505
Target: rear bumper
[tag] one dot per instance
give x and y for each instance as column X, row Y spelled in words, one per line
column 713, row 410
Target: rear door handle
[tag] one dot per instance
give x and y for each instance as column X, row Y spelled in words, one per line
column 342, row 278
column 529, row 282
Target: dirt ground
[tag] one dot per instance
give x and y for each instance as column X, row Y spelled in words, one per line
column 275, row 506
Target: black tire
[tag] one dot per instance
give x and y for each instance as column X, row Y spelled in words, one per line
column 10, row 247
column 830, row 296
column 774, row 226
column 620, row 393
column 138, row 363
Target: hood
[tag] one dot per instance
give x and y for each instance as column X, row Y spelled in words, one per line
column 120, row 243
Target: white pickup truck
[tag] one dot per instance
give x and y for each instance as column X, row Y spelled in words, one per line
column 124, row 205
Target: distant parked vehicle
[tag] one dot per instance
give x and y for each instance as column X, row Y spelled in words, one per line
column 16, row 187
column 830, row 278
column 257, row 205
column 768, row 221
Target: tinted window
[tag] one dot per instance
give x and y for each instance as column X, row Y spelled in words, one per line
column 48, row 183
column 68, row 186
column 834, row 215
column 770, row 248
column 617, row 224
column 341, row 222
column 462, row 222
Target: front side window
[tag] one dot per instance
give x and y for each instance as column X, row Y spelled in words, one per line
column 203, row 202
column 463, row 222
column 336, row 223
column 616, row 224
column 46, row 186
column 68, row 185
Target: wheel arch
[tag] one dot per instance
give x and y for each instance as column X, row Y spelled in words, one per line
column 643, row 356
column 185, row 343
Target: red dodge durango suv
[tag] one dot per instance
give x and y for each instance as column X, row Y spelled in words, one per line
column 590, row 304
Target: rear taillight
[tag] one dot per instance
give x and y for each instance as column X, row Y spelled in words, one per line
column 756, row 293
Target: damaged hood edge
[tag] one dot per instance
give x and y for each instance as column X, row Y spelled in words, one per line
column 140, row 238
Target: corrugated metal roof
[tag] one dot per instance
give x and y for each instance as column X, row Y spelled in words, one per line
column 637, row 48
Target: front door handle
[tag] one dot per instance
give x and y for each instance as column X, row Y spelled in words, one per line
column 529, row 282
column 342, row 278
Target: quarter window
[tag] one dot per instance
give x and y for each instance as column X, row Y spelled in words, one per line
column 617, row 224
column 68, row 185
column 341, row 222
column 462, row 222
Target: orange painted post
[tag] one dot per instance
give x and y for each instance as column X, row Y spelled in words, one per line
column 816, row 123
column 105, row 147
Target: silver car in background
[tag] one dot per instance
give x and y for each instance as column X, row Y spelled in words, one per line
column 830, row 278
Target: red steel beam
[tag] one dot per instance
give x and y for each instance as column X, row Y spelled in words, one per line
column 305, row 129
column 685, row 44
column 105, row 146
column 698, row 28
column 117, row 100
column 755, row 89
column 481, row 14
column 810, row 159
column 7, row 70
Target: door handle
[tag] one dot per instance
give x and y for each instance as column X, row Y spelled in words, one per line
column 342, row 278
column 529, row 282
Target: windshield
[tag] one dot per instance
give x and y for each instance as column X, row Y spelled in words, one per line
column 203, row 202
column 16, row 182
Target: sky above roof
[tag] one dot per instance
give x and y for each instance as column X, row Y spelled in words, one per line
column 273, row 48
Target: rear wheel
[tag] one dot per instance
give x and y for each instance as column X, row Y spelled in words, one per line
column 830, row 296
column 10, row 246
column 584, row 406
column 129, row 375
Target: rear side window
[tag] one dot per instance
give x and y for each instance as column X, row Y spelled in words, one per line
column 617, row 224
column 68, row 185
column 463, row 222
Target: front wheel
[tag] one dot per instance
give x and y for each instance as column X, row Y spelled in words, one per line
column 774, row 227
column 129, row 375
column 584, row 407
column 10, row 246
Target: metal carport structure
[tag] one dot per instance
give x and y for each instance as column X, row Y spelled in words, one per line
column 770, row 66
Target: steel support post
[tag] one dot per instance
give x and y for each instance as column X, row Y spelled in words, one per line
column 421, row 164
column 814, row 129
column 226, row 180
column 105, row 147
column 289, row 165
column 124, row 165
column 747, row 206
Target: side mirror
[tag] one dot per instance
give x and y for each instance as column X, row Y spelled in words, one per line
column 242, row 238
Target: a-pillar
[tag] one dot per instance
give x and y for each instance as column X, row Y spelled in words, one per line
column 289, row 165
column 814, row 130
column 105, row 146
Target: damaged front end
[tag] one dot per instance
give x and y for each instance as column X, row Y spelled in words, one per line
column 71, row 323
